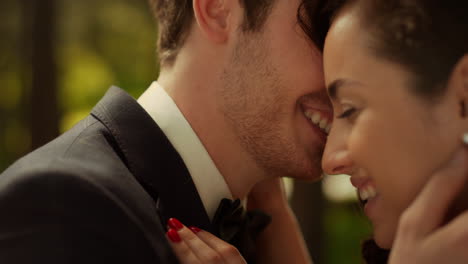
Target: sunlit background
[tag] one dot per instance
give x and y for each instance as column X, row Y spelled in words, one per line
column 57, row 59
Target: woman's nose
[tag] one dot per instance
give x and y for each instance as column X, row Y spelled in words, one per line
column 337, row 162
column 336, row 158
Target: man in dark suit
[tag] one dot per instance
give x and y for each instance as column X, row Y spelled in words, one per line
column 239, row 102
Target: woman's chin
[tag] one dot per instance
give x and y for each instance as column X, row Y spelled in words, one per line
column 383, row 244
column 384, row 238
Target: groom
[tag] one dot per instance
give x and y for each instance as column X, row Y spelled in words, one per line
column 240, row 100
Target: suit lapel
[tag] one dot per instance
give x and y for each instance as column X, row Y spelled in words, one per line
column 151, row 158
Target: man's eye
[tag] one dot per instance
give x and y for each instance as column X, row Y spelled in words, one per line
column 347, row 113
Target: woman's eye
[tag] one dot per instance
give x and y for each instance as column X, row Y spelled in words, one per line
column 347, row 113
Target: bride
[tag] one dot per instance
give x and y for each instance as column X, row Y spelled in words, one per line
column 397, row 75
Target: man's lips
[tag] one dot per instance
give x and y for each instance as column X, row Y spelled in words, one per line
column 319, row 120
column 320, row 103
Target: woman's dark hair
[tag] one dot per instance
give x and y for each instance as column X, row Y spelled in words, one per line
column 427, row 37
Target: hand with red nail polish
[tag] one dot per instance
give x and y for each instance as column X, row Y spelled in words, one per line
column 195, row 246
column 175, row 224
column 195, row 229
column 173, row 235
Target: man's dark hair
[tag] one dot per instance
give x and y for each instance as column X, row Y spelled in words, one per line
column 314, row 16
column 175, row 19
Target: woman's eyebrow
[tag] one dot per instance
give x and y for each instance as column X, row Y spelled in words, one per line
column 334, row 87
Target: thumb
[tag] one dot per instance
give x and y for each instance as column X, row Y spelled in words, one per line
column 430, row 206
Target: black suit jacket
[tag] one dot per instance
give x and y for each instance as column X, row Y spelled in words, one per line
column 100, row 193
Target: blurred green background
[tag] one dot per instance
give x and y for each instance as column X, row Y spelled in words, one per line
column 57, row 59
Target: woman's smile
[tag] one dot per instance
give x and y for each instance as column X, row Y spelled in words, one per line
column 383, row 127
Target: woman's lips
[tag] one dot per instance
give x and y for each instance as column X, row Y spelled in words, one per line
column 370, row 207
column 367, row 192
column 368, row 195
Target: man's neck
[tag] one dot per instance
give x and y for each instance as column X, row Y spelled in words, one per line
column 197, row 99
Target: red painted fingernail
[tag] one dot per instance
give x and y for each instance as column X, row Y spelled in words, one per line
column 195, row 229
column 174, row 223
column 173, row 235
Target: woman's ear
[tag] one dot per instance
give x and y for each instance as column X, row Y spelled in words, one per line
column 459, row 82
column 215, row 18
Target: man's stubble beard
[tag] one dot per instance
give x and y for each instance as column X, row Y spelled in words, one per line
column 254, row 105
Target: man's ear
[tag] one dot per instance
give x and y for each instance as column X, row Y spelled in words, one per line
column 459, row 82
column 215, row 18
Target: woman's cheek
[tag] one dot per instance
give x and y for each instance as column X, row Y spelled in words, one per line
column 362, row 144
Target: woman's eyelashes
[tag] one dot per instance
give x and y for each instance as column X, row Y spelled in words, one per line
column 348, row 113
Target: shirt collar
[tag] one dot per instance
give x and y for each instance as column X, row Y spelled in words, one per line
column 208, row 180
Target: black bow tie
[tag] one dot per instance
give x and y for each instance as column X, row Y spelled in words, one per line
column 239, row 228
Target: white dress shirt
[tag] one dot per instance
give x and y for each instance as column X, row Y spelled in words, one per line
column 208, row 180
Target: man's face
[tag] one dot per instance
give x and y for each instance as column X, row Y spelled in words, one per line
column 274, row 96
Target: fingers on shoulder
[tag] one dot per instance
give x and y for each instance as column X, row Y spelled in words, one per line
column 191, row 248
column 184, row 253
column 227, row 251
column 193, row 245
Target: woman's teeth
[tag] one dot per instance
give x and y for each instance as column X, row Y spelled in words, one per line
column 318, row 120
column 367, row 193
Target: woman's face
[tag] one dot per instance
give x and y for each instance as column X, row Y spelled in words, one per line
column 387, row 138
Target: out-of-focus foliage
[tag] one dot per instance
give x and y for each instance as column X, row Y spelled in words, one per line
column 346, row 228
column 14, row 138
column 99, row 44
column 103, row 43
